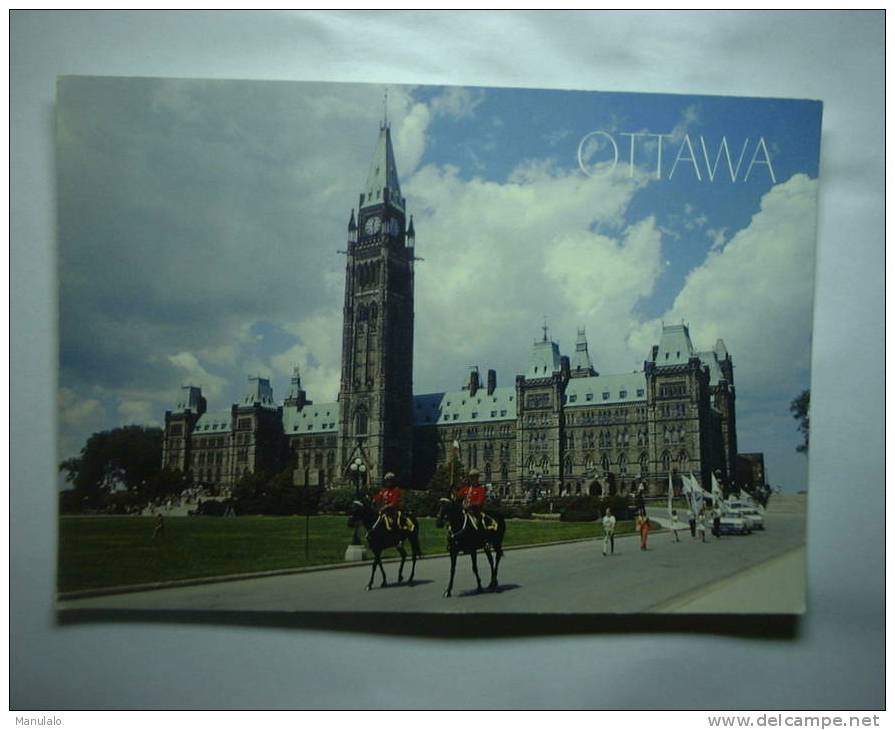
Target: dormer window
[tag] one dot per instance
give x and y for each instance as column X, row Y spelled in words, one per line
column 605, row 395
column 573, row 398
column 623, row 394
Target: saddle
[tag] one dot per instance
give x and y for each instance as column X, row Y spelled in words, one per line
column 487, row 521
column 392, row 524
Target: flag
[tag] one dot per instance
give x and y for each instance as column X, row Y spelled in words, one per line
column 717, row 494
column 670, row 498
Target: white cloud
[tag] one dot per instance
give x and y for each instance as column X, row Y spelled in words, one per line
column 409, row 138
column 500, row 256
column 318, row 355
column 192, row 369
column 457, row 102
column 141, row 412
column 756, row 293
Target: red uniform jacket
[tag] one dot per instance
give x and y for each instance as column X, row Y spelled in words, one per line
column 473, row 496
column 388, row 496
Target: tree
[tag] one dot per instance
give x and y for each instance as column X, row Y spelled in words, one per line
column 441, row 480
column 124, row 458
column 799, row 409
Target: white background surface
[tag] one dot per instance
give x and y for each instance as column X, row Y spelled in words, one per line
column 835, row 661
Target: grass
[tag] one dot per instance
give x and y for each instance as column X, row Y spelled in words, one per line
column 98, row 552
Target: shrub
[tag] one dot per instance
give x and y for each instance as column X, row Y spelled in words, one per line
column 421, row 503
column 336, row 501
column 573, row 515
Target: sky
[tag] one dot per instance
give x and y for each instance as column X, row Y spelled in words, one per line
column 200, row 224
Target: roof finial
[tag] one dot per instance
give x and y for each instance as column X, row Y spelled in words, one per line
column 545, row 328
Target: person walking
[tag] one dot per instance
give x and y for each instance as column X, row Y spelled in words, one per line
column 691, row 518
column 159, row 530
column 643, row 528
column 640, row 501
column 700, row 525
column 608, row 532
column 675, row 525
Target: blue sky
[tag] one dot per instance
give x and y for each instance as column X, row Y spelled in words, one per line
column 200, row 222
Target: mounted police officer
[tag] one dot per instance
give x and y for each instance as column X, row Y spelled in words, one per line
column 388, row 500
column 474, row 495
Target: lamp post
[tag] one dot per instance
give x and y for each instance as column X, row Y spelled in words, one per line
column 358, row 469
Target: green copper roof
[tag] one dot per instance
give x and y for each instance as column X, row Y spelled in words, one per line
column 458, row 406
column 383, row 177
column 606, row 389
column 313, row 418
column 675, row 347
column 213, row 422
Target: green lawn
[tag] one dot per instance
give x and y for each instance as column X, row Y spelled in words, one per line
column 111, row 551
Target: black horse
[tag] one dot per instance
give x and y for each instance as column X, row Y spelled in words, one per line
column 463, row 537
column 379, row 537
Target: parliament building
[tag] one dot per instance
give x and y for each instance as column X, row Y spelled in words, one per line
column 559, row 428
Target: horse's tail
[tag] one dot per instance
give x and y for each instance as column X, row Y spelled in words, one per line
column 501, row 531
column 414, row 535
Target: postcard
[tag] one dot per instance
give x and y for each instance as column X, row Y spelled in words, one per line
column 432, row 350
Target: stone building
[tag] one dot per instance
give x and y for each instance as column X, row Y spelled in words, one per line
column 560, row 428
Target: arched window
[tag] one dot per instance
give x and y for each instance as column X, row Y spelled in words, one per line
column 545, row 465
column 666, row 461
column 568, row 465
column 683, row 461
column 487, row 473
column 604, row 463
column 504, row 473
column 474, row 455
column 623, row 464
column 644, row 463
column 589, row 463
column 360, row 420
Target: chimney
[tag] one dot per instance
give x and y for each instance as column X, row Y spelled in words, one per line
column 564, row 367
column 473, row 380
column 492, row 381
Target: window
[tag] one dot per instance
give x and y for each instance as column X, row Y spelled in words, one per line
column 243, row 424
column 455, row 417
column 176, row 429
column 573, row 398
column 640, row 392
column 623, row 394
column 589, row 397
column 493, row 414
column 475, row 414
column 605, row 395
column 503, row 413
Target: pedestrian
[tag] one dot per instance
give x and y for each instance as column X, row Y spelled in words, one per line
column 691, row 518
column 608, row 532
column 159, row 530
column 640, row 502
column 700, row 525
column 716, row 523
column 674, row 525
column 643, row 528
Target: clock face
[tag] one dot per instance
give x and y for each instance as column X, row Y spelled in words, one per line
column 372, row 225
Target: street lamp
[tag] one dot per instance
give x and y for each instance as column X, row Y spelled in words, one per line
column 358, row 470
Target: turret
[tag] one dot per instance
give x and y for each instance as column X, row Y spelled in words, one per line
column 352, row 229
column 410, row 240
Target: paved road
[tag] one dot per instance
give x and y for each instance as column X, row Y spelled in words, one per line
column 570, row 578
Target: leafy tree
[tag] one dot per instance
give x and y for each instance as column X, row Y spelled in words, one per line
column 441, row 484
column 799, row 409
column 128, row 457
